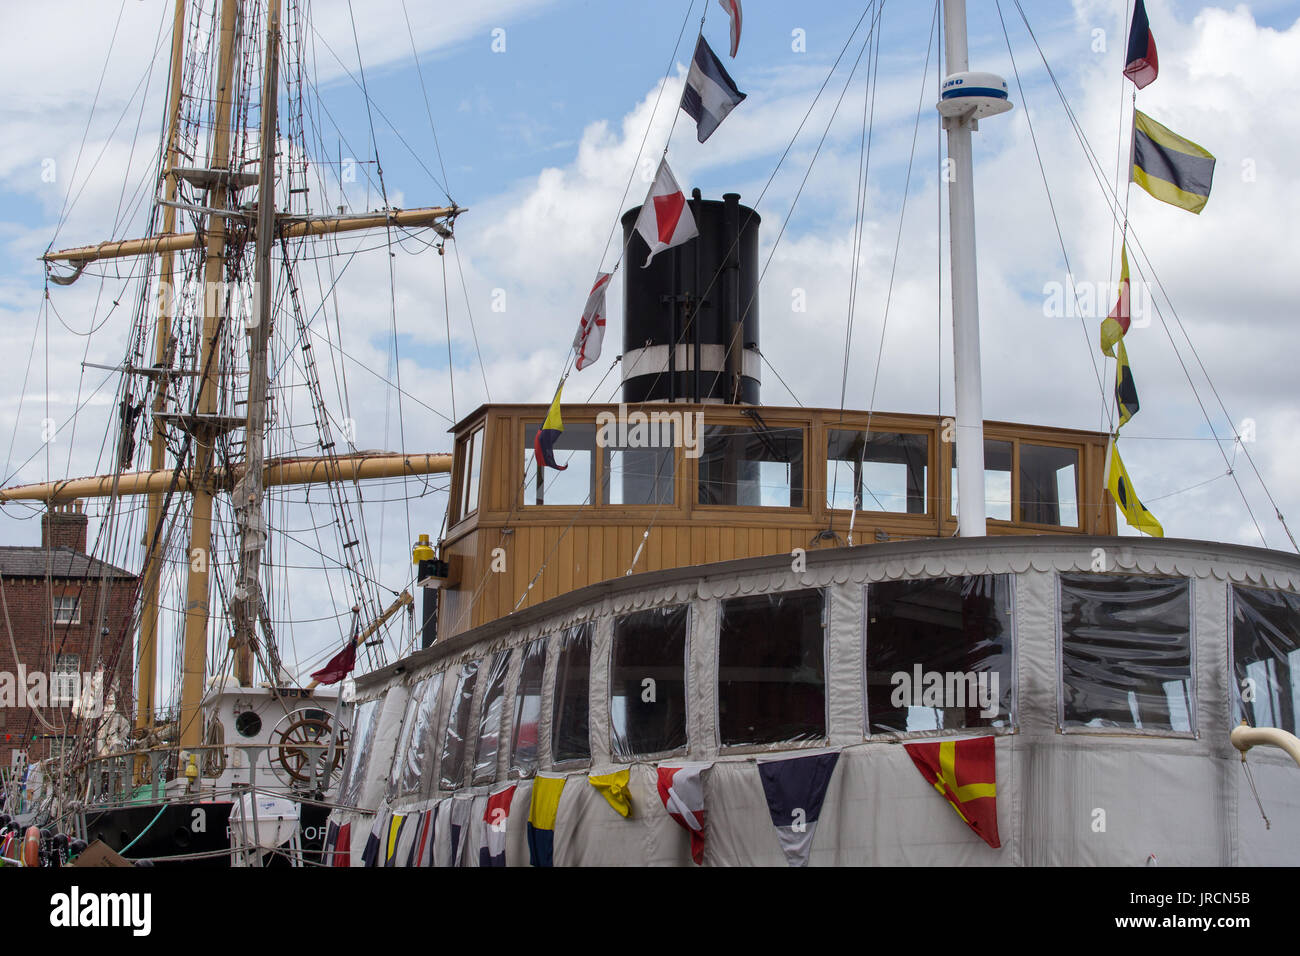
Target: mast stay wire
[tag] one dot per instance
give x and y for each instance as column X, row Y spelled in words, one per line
column 893, row 268
column 1056, row 222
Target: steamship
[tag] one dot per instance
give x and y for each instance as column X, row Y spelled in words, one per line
column 755, row 598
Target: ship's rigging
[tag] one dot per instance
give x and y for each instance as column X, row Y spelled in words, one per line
column 221, row 395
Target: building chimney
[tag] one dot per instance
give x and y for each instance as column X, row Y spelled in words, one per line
column 64, row 526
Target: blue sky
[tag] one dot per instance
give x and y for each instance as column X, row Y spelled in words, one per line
column 540, row 139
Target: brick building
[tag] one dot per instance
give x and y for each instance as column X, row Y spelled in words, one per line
column 52, row 594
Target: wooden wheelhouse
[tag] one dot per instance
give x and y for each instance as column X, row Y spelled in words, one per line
column 671, row 485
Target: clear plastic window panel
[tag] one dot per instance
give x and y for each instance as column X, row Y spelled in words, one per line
column 570, row 727
column 939, row 654
column 1266, row 656
column 1126, row 652
column 640, row 475
column 453, row 747
column 647, row 705
column 997, row 479
column 575, row 450
column 405, row 734
column 528, row 710
column 889, row 471
column 772, row 668
column 752, row 466
column 1049, row 485
column 416, row 758
column 364, row 723
column 489, row 724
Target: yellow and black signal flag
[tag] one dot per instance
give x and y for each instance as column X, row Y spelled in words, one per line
column 1173, row 169
column 1121, row 489
column 1126, row 393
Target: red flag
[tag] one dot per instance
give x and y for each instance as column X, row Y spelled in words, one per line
column 965, row 772
column 591, row 327
column 339, row 666
column 342, row 855
column 733, row 10
column 665, row 221
column 681, row 788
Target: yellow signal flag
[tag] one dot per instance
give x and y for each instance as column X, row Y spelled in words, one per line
column 1121, row 489
column 1115, row 326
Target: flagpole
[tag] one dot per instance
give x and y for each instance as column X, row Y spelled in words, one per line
column 966, row 97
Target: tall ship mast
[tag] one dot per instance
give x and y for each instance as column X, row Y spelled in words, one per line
column 209, row 438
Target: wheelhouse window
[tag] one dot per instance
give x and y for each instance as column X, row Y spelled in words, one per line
column 640, row 471
column 489, row 724
column 877, row 471
column 1126, row 652
column 570, row 734
column 365, row 721
column 528, row 710
column 453, row 747
column 997, row 479
column 772, row 669
column 471, row 473
column 1266, row 656
column 575, row 450
column 414, row 753
column 1049, row 482
column 939, row 654
column 648, row 682
column 67, row 610
column 752, row 466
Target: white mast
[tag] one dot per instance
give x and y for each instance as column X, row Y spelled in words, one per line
column 965, row 98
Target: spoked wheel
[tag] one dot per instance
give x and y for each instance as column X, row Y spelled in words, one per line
column 302, row 744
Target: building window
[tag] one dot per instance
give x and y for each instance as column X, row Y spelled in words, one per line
column 1126, row 652
column 67, row 610
column 575, row 449
column 997, row 479
column 1049, row 481
column 882, row 471
column 489, row 724
column 1266, row 656
column 365, row 722
column 647, row 706
column 939, row 654
column 528, row 709
column 66, row 685
column 571, row 737
column 771, row 668
column 752, row 466
column 453, row 747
